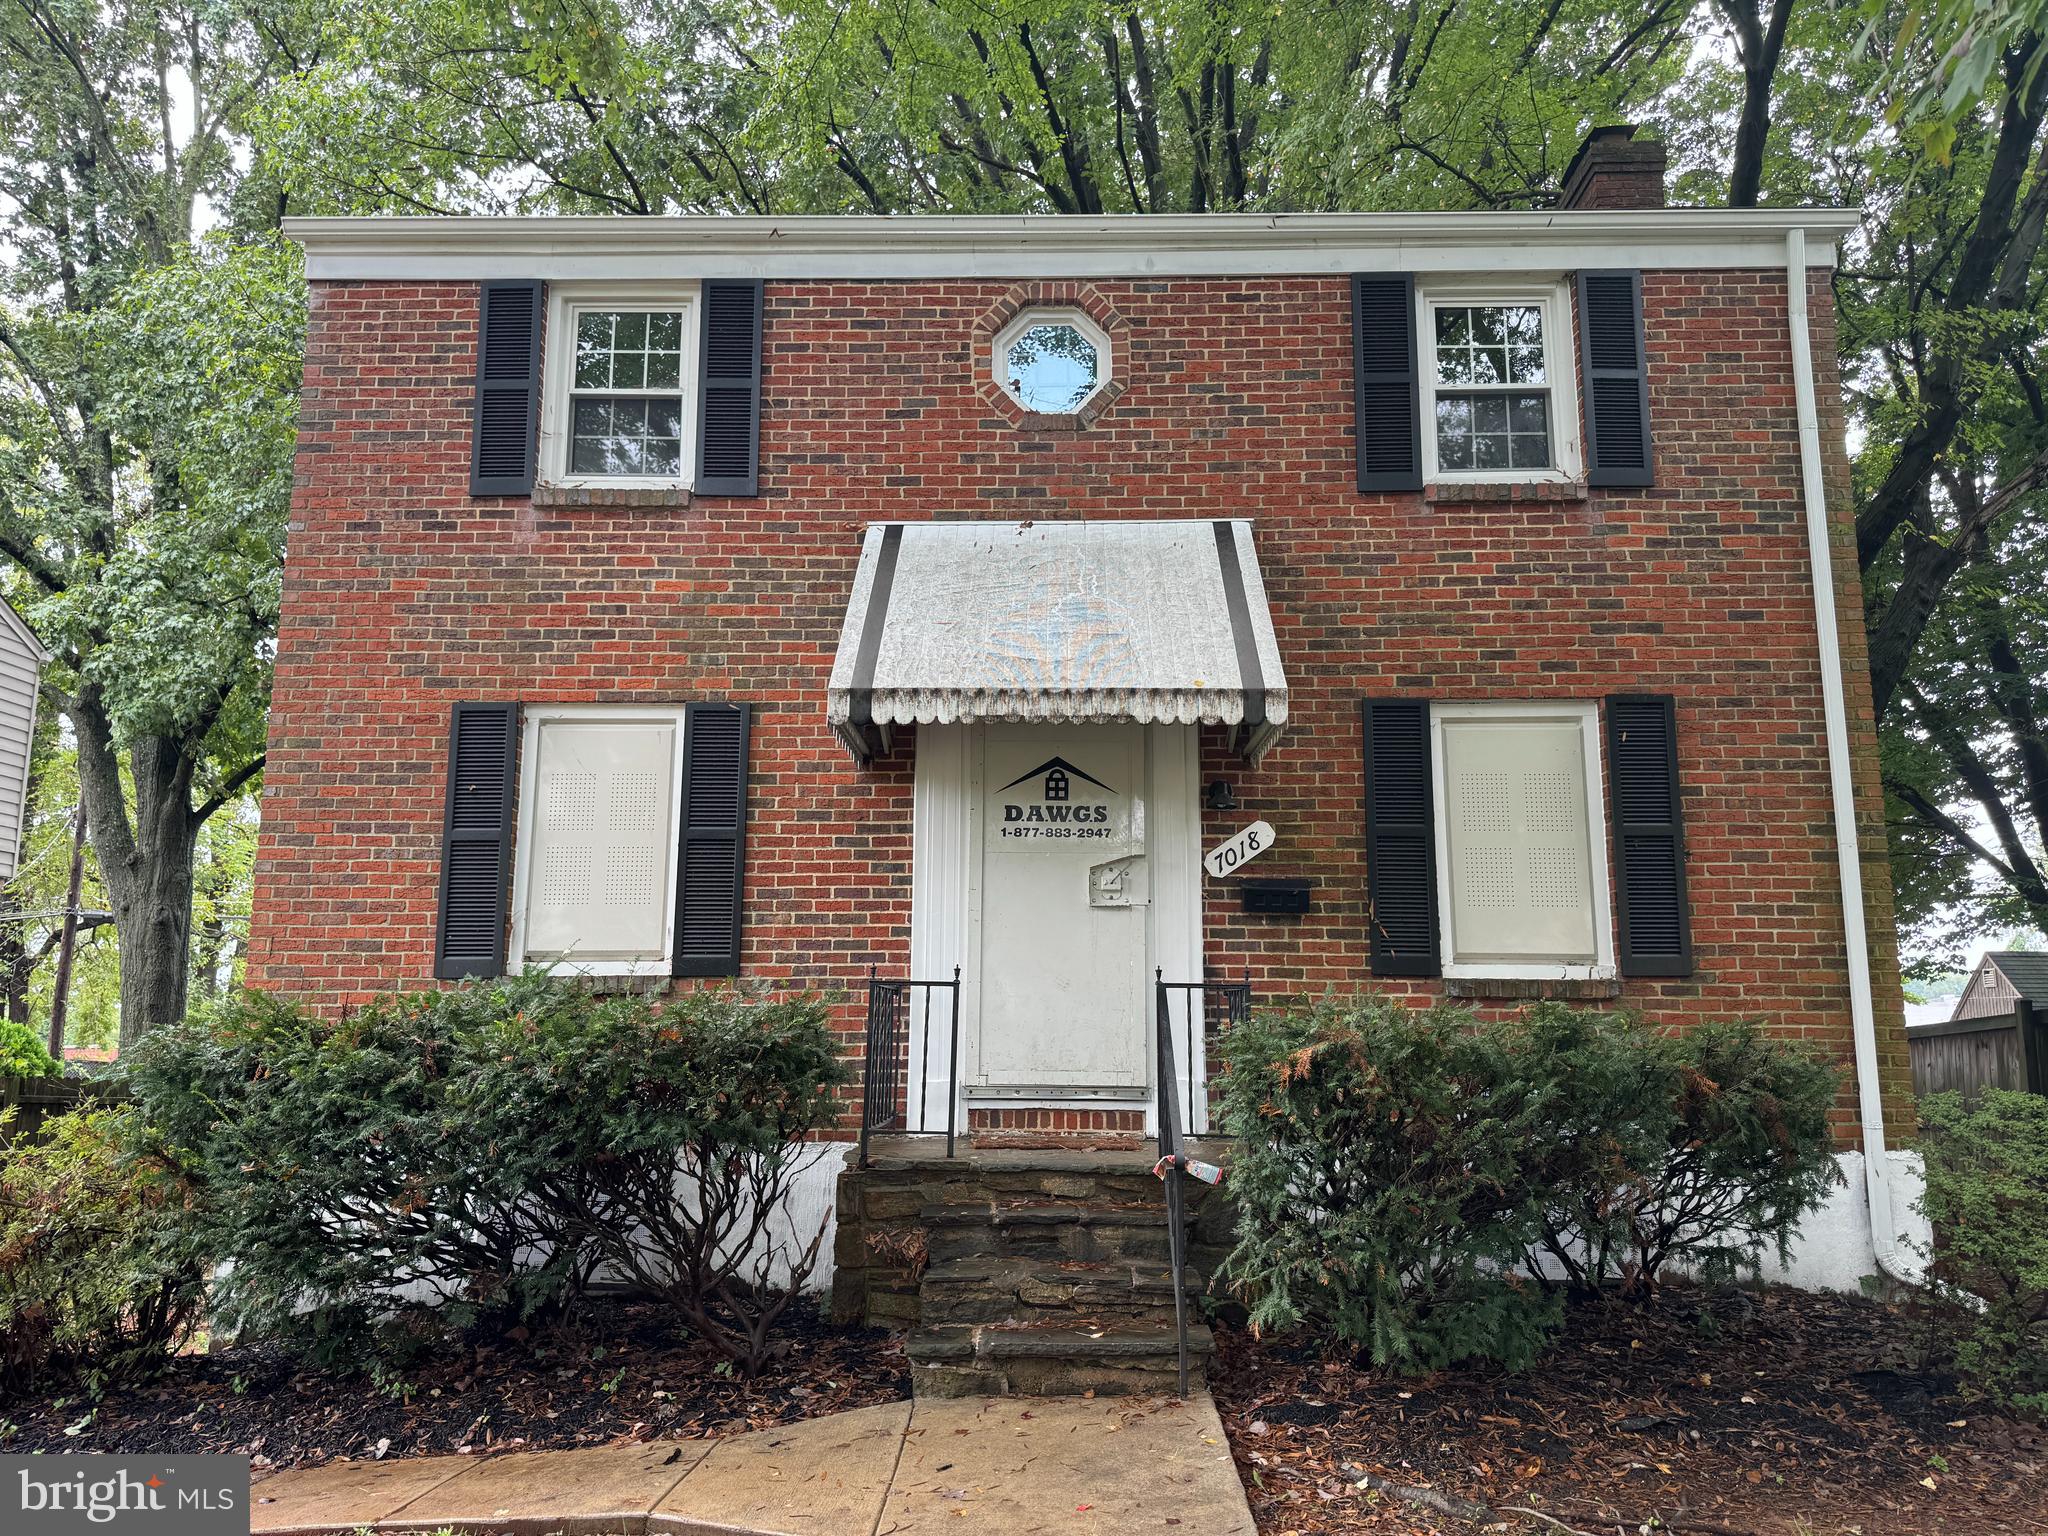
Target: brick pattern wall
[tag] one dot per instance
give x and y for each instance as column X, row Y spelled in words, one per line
column 403, row 595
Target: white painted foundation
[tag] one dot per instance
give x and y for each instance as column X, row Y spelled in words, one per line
column 1834, row 1251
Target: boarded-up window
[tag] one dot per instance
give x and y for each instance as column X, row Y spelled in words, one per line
column 599, row 870
column 1521, row 878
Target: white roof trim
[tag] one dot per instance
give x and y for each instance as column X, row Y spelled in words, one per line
column 1079, row 622
column 1058, row 245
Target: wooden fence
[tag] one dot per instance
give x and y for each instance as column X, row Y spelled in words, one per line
column 2005, row 1050
column 38, row 1100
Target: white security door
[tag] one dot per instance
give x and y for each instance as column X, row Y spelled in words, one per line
column 1064, row 890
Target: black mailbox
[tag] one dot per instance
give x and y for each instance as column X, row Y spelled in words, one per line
column 1274, row 896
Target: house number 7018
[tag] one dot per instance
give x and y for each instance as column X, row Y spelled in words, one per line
column 1228, row 857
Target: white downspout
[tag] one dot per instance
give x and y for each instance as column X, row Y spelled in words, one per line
column 1884, row 1227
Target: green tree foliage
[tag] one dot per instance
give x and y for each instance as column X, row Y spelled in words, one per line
column 1987, row 1199
column 147, row 396
column 1943, row 334
column 23, row 1054
column 473, row 1156
column 739, row 106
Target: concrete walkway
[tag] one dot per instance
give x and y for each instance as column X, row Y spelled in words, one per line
column 998, row 1465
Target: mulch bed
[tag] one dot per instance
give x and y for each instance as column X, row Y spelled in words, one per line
column 1735, row 1413
column 625, row 1373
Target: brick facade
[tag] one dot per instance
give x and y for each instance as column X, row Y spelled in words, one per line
column 403, row 595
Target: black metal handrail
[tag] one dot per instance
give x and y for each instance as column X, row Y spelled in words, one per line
column 1235, row 1001
column 885, row 1104
column 1172, row 1160
column 1217, row 1005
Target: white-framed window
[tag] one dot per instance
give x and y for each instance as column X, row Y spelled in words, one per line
column 1522, row 878
column 1052, row 361
column 619, row 385
column 594, row 877
column 1498, row 385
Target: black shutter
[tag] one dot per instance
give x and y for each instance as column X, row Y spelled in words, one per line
column 714, row 839
column 729, row 391
column 507, row 390
column 1649, row 843
column 1384, row 394
column 1617, row 378
column 1400, row 839
column 476, row 841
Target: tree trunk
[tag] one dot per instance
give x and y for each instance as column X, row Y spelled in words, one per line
column 146, row 863
column 155, row 924
column 1760, row 41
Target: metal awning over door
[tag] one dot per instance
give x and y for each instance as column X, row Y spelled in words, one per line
column 1057, row 621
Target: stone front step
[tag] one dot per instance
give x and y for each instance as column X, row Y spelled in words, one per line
column 995, row 1290
column 958, row 1360
column 1046, row 1229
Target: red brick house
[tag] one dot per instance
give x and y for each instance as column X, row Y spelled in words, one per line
column 789, row 597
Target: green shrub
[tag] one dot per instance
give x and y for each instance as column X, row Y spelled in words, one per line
column 1380, row 1183
column 1400, row 1171
column 715, row 1095
column 1700, row 1152
column 93, row 1274
column 1987, row 1200
column 23, row 1054
column 472, row 1156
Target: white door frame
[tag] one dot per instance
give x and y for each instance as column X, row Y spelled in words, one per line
column 945, row 879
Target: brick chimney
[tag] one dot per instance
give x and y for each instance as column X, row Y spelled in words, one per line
column 1615, row 169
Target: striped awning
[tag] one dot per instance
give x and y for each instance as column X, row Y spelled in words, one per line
column 1077, row 622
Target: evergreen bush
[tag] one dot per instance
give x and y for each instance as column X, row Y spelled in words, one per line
column 471, row 1157
column 1401, row 1173
column 1380, row 1183
column 94, row 1278
column 1698, row 1152
column 675, row 1142
column 1987, row 1200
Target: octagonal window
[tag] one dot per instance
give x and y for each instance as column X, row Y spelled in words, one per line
column 1052, row 361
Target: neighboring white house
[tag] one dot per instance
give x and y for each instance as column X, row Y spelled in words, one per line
column 21, row 663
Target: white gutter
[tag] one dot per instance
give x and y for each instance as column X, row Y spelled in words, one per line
column 1884, row 1226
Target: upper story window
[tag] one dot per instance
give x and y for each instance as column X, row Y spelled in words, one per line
column 618, row 408
column 1497, row 377
column 626, row 408
column 1052, row 362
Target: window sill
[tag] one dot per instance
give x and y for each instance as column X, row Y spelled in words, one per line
column 649, row 983
column 1576, row 989
column 547, row 495
column 1463, row 492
